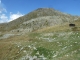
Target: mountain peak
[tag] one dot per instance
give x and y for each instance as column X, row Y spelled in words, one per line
column 45, row 9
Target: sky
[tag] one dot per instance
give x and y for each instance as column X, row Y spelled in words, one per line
column 13, row 9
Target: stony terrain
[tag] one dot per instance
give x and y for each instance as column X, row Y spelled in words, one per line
column 43, row 34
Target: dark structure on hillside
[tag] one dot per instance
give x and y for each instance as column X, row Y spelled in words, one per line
column 72, row 25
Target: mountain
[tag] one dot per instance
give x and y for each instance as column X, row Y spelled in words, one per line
column 40, row 16
column 43, row 34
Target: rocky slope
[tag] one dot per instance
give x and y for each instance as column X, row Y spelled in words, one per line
column 43, row 34
column 41, row 16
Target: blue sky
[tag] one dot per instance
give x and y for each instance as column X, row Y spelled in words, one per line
column 12, row 9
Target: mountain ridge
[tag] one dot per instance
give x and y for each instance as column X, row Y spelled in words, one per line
column 40, row 12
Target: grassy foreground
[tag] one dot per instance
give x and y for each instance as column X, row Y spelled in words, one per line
column 45, row 46
column 50, row 43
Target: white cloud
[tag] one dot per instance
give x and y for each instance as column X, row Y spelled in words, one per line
column 0, row 1
column 15, row 16
column 2, row 9
column 4, row 18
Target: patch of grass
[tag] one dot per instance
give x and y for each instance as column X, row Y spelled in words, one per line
column 56, row 28
column 42, row 51
column 1, row 35
column 34, row 34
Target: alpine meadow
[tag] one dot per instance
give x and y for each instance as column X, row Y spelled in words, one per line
column 43, row 34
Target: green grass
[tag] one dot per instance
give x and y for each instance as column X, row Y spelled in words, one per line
column 43, row 51
column 65, row 44
column 62, row 46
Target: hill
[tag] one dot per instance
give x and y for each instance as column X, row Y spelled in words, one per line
column 43, row 15
column 43, row 34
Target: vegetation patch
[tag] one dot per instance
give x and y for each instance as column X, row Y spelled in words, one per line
column 41, row 51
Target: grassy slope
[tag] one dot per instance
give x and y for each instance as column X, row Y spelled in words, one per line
column 54, row 43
